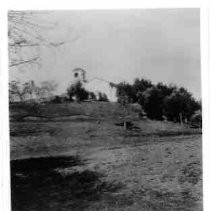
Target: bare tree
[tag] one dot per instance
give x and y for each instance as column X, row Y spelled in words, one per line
column 46, row 89
column 26, row 37
column 16, row 91
column 30, row 91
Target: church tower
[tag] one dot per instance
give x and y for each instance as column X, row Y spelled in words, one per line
column 79, row 75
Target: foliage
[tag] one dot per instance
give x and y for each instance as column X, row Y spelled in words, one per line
column 102, row 97
column 153, row 103
column 158, row 100
column 57, row 99
column 16, row 91
column 180, row 105
column 78, row 91
column 139, row 86
column 196, row 118
column 125, row 93
column 92, row 96
column 152, row 100
column 30, row 91
column 142, row 85
column 46, row 89
column 166, row 90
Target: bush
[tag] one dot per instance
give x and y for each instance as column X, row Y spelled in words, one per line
column 159, row 100
column 125, row 90
column 57, row 99
column 102, row 97
column 77, row 91
column 180, row 105
column 196, row 119
column 92, row 96
column 153, row 103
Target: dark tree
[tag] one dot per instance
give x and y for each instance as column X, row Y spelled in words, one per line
column 165, row 89
column 77, row 91
column 159, row 100
column 180, row 105
column 102, row 97
column 125, row 90
column 196, row 119
column 141, row 85
column 133, row 92
column 92, row 96
column 153, row 103
column 57, row 99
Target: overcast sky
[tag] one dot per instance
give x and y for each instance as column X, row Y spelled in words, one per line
column 157, row 44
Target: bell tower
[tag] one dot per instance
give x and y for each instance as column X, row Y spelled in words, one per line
column 79, row 75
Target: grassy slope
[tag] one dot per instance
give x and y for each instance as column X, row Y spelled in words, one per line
column 94, row 109
column 155, row 166
column 77, row 116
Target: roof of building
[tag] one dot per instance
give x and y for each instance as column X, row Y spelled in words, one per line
column 102, row 80
column 78, row 69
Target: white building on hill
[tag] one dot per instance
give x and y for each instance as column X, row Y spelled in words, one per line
column 95, row 85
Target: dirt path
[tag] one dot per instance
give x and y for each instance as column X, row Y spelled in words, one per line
column 154, row 175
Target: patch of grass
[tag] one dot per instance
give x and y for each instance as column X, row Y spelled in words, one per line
column 31, row 129
column 191, row 173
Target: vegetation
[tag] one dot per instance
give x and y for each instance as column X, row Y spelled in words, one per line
column 28, row 91
column 102, row 97
column 92, row 96
column 78, row 92
column 160, row 100
column 196, row 119
column 180, row 105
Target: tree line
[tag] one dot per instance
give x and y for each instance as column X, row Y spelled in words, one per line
column 29, row 91
column 159, row 101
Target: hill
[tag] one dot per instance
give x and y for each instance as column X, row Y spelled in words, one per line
column 79, row 157
column 108, row 114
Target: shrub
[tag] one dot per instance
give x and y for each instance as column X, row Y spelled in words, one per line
column 57, row 99
column 180, row 105
column 159, row 100
column 102, row 97
column 92, row 96
column 77, row 91
column 153, row 103
column 196, row 119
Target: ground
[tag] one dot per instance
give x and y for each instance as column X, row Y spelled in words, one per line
column 78, row 157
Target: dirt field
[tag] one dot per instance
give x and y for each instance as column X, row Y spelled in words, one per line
column 88, row 162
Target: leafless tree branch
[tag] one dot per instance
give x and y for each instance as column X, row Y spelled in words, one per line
column 24, row 32
column 33, row 60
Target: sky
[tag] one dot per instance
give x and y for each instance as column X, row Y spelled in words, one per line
column 162, row 45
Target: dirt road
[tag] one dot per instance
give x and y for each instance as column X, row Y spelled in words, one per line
column 159, row 174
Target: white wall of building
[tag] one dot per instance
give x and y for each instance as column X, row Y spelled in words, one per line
column 97, row 85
